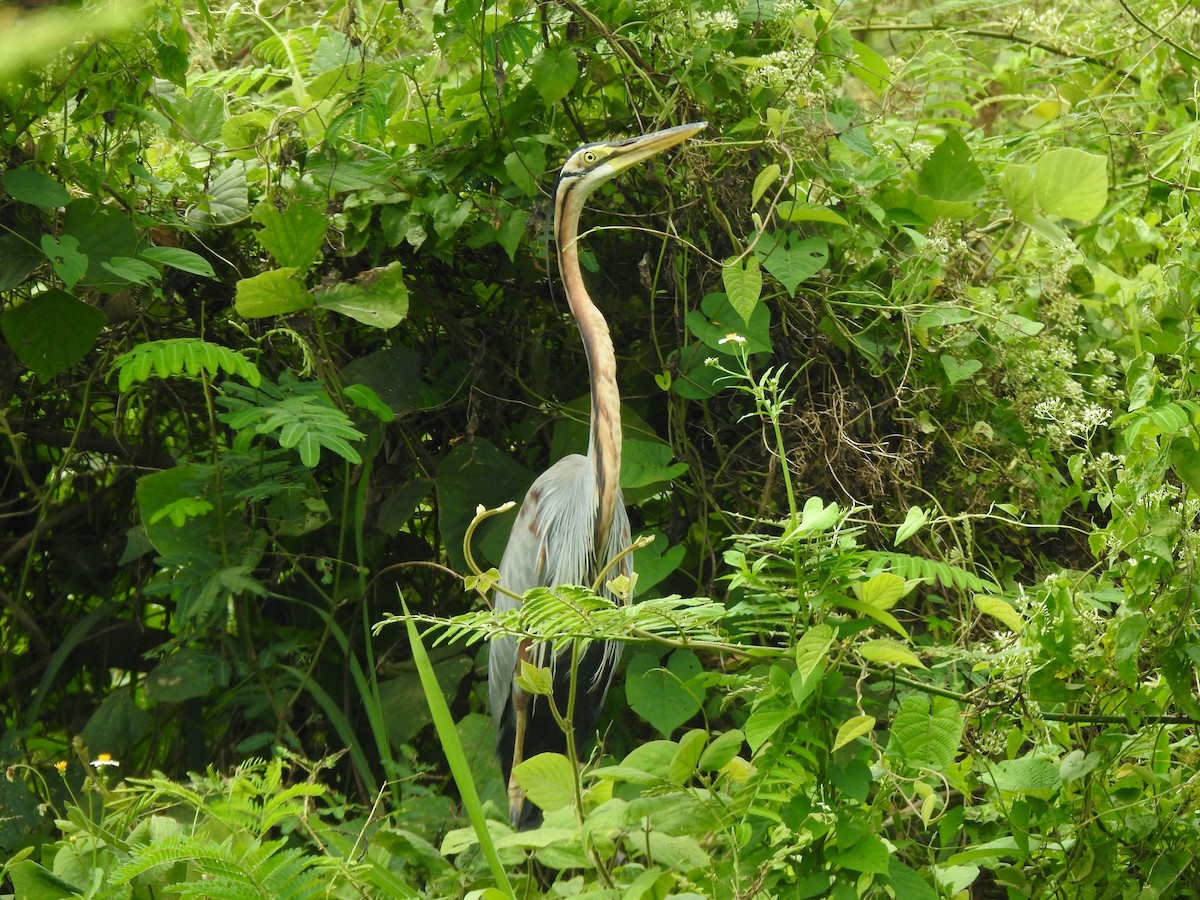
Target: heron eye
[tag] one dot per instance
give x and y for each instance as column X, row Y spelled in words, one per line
column 589, row 157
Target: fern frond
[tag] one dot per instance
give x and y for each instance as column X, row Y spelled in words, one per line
column 555, row 617
column 931, row 571
column 302, row 417
column 267, row 869
column 181, row 356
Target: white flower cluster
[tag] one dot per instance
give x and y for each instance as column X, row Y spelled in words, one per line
column 783, row 71
column 785, row 9
column 1063, row 422
column 721, row 20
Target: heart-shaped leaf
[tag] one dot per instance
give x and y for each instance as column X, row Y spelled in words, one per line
column 791, row 260
column 743, row 285
column 664, row 697
column 959, row 371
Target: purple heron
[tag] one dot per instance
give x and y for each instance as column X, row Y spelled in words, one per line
column 572, row 522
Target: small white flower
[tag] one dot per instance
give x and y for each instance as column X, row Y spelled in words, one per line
column 732, row 337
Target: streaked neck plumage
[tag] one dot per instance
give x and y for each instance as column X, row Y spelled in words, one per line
column 604, row 442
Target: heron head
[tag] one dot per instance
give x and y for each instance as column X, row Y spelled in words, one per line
column 593, row 164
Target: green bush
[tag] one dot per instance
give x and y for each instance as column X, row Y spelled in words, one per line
column 906, row 345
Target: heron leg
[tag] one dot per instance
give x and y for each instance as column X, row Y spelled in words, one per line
column 516, row 796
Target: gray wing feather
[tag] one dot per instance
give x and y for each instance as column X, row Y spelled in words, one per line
column 551, row 544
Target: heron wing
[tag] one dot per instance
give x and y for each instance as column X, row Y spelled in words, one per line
column 551, row 524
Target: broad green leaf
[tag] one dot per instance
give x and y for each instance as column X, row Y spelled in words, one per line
column 853, row 779
column 35, row 882
column 1072, row 183
column 883, row 591
column 1011, row 326
column 69, row 264
column 795, row 211
column 881, row 616
column 868, row 854
column 1029, row 774
column 103, row 233
column 134, row 270
column 790, row 260
column 525, row 164
column 885, row 650
column 51, row 332
column 229, row 197
column 20, row 254
column 200, row 117
column 743, row 285
column 1141, row 378
column 1170, row 417
column 680, row 853
column 185, row 674
column 957, row 370
column 767, row 177
column 160, row 490
column 1006, row 847
column 812, row 657
column 293, row 236
column 1019, row 186
column 449, row 213
column 1077, row 764
column 36, row 188
column 926, row 732
column 950, row 173
column 721, row 750
column 906, row 882
column 1000, row 609
column 378, row 297
column 853, row 729
column 364, row 397
column 870, row 68
column 664, row 697
column 683, row 766
column 676, row 813
column 913, row 522
column 178, row 258
column 554, row 73
column 476, row 472
column 548, row 779
column 655, row 562
column 1130, row 631
column 645, row 463
column 764, row 722
column 812, row 650
column 716, row 319
column 1185, row 460
column 817, row 517
column 511, row 230
column 941, row 316
column 277, row 292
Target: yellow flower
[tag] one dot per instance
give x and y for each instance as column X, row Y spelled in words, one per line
column 61, row 765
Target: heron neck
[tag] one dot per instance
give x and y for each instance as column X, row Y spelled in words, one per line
column 604, row 442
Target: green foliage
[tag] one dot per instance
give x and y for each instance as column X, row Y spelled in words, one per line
column 907, row 348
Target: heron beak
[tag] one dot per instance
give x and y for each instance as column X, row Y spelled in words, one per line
column 630, row 152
